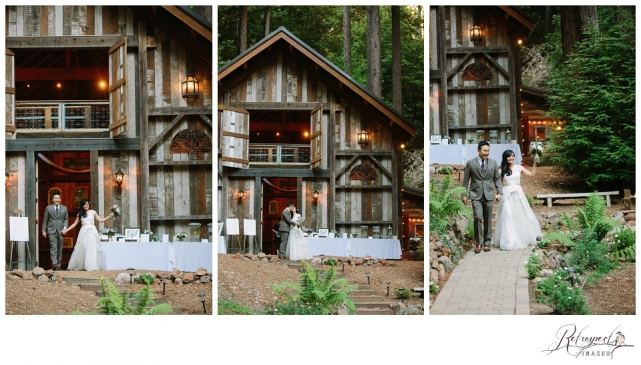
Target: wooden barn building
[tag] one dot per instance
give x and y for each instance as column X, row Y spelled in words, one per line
column 475, row 75
column 112, row 104
column 294, row 127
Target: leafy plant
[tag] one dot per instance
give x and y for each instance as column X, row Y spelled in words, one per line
column 115, row 302
column 594, row 217
column 546, row 286
column 533, row 266
column 566, row 300
column 145, row 279
column 406, row 293
column 294, row 307
column 445, row 202
column 324, row 292
column 590, row 254
column 434, row 288
column 331, row 261
column 446, row 170
column 228, row 307
column 625, row 246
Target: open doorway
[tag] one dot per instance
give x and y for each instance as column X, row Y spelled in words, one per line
column 277, row 192
column 67, row 174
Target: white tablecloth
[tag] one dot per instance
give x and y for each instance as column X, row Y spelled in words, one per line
column 190, row 256
column 357, row 247
column 222, row 244
column 378, row 249
column 327, row 246
column 458, row 154
column 137, row 255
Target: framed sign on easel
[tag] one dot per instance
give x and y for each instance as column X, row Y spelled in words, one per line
column 249, row 226
column 233, row 229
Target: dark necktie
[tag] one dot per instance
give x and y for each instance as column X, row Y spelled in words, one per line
column 56, row 209
column 483, row 164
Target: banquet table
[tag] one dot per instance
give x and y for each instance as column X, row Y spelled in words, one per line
column 459, row 154
column 137, row 255
column 222, row 244
column 190, row 256
column 357, row 247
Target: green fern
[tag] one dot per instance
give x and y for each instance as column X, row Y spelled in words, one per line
column 115, row 302
column 562, row 237
column 444, row 203
column 323, row 291
column 594, row 217
column 625, row 246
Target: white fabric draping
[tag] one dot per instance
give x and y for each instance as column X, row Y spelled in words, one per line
column 190, row 256
column 458, row 154
column 357, row 247
column 222, row 244
column 139, row 255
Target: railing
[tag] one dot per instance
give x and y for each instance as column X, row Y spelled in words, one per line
column 277, row 154
column 62, row 115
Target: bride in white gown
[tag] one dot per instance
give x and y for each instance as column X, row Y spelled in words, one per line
column 516, row 225
column 296, row 245
column 87, row 254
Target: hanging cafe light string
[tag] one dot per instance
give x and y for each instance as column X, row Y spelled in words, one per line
column 59, row 168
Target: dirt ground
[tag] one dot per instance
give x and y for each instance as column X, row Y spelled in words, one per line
column 616, row 293
column 249, row 283
column 37, row 297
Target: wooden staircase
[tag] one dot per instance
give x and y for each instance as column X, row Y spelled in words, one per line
column 366, row 300
column 94, row 286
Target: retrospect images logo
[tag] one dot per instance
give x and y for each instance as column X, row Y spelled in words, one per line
column 586, row 344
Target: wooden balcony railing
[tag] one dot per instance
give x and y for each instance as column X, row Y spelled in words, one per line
column 62, row 115
column 279, row 154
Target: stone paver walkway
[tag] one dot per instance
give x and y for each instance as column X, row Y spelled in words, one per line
column 492, row 282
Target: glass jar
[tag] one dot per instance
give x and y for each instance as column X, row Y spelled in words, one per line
column 194, row 231
column 376, row 232
column 364, row 231
column 494, row 136
column 480, row 135
column 508, row 136
column 389, row 232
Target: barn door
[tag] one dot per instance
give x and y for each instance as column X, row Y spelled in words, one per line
column 235, row 137
column 118, row 87
column 316, row 139
column 10, row 91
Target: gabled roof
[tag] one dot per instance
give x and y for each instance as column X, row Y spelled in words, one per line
column 343, row 78
column 192, row 19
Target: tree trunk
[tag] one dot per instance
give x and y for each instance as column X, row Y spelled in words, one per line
column 268, row 12
column 589, row 20
column 548, row 20
column 347, row 40
column 374, row 50
column 570, row 28
column 242, row 30
column 204, row 11
column 397, row 90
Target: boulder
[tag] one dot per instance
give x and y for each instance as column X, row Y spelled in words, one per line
column 316, row 261
column 447, row 263
column 188, row 277
column 122, row 278
column 205, row 279
column 178, row 281
column 441, row 271
column 359, row 261
column 367, row 258
column 37, row 271
column 630, row 217
column 43, row 278
column 261, row 255
column 238, row 256
column 412, row 310
column 175, row 274
column 201, row 271
column 546, row 273
column 397, row 307
column 19, row 273
column 434, row 275
column 264, row 259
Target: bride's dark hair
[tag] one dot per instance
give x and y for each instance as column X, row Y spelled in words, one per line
column 505, row 170
column 83, row 213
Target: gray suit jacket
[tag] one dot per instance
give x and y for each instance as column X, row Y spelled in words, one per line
column 484, row 181
column 285, row 220
column 54, row 222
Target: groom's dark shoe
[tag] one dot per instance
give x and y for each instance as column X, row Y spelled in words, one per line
column 477, row 249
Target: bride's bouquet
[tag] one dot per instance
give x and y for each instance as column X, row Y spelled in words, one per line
column 536, row 150
column 115, row 210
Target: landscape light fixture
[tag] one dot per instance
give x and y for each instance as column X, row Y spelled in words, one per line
column 367, row 274
column 190, row 87
column 388, row 284
column 570, row 271
column 131, row 275
column 402, row 293
column 322, row 257
column 202, row 300
column 164, row 281
column 119, row 175
column 6, row 177
column 363, row 138
column 476, row 34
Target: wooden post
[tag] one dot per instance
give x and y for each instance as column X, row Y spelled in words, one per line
column 331, row 163
column 145, row 207
column 258, row 212
column 30, row 204
column 442, row 62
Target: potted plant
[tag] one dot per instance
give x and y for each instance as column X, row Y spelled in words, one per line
column 110, row 232
column 470, row 140
column 181, row 236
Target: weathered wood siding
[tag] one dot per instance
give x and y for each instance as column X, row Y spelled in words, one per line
column 58, row 20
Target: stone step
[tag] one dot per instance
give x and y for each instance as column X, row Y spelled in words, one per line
column 363, row 293
column 362, row 311
column 81, row 280
column 372, row 305
column 98, row 288
column 368, row 299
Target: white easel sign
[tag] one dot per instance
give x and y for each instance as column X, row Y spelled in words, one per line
column 250, row 227
column 232, row 226
column 19, row 229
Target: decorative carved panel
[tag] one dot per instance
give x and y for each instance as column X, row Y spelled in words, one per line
column 477, row 72
column 190, row 141
column 363, row 172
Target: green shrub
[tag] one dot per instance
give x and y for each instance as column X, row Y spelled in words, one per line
column 593, row 217
column 331, row 261
column 566, row 300
column 446, row 170
column 228, row 307
column 406, row 293
column 445, row 202
column 533, row 266
column 145, row 279
column 590, row 254
column 294, row 307
column 625, row 246
column 546, row 286
column 434, row 288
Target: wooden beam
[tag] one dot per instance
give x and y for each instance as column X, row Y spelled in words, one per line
column 474, row 88
column 188, row 110
column 62, row 42
column 185, row 18
column 62, row 74
column 463, row 50
column 31, row 200
column 480, row 126
column 180, row 217
column 299, row 127
column 364, row 186
column 145, row 206
column 179, row 163
column 280, row 172
column 274, row 105
column 363, row 152
column 166, row 130
column 72, row 144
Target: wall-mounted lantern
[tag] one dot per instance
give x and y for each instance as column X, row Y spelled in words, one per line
column 240, row 195
column 363, row 138
column 315, row 195
column 120, row 176
column 6, row 177
column 190, row 87
column 476, row 34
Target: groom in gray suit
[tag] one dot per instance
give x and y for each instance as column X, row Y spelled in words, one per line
column 285, row 222
column 484, row 173
column 55, row 220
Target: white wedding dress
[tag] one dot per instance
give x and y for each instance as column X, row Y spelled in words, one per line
column 516, row 225
column 296, row 245
column 88, row 254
